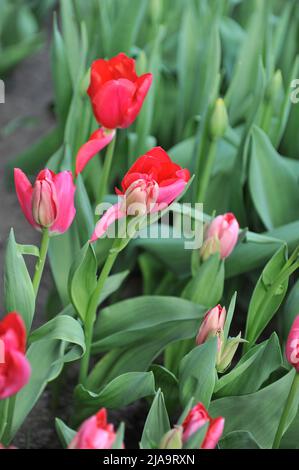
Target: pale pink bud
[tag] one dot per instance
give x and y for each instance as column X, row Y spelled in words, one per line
column 140, row 197
column 226, row 229
column 292, row 346
column 212, row 325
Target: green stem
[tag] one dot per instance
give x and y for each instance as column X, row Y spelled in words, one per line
column 41, row 261
column 4, row 413
column 6, row 437
column 293, row 394
column 206, row 171
column 91, row 313
column 104, row 180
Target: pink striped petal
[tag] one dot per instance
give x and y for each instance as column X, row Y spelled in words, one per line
column 111, row 215
column 97, row 141
column 24, row 193
column 65, row 190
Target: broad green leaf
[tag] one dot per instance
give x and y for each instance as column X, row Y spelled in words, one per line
column 252, row 370
column 238, row 440
column 267, row 296
column 167, row 382
column 18, row 290
column 258, row 413
column 118, row 393
column 65, row 433
column 268, row 172
column 83, row 279
column 156, row 424
column 197, row 374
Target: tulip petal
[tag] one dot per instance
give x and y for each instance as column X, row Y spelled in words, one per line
column 24, row 193
column 167, row 194
column 97, row 141
column 65, row 190
column 14, row 373
column 143, row 84
column 111, row 215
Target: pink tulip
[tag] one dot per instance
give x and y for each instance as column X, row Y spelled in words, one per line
column 154, row 181
column 292, row 346
column 224, row 228
column 95, row 433
column 197, row 418
column 212, row 325
column 15, row 369
column 97, row 141
column 50, row 202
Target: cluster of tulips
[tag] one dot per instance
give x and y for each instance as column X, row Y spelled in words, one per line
column 152, row 183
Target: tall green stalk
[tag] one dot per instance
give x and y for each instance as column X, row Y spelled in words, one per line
column 104, row 180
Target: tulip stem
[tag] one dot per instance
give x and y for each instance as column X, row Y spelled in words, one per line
column 91, row 313
column 206, row 171
column 293, row 394
column 104, row 180
column 4, row 415
column 41, row 261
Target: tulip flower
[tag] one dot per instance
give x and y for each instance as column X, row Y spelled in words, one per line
column 197, row 418
column 116, row 94
column 15, row 369
column 212, row 325
column 292, row 346
column 151, row 184
column 49, row 204
column 95, row 433
column 221, row 236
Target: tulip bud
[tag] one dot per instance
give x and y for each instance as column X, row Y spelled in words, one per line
column 140, row 197
column 219, row 120
column 173, row 439
column 226, row 229
column 210, row 247
column 212, row 325
column 227, row 352
column 292, row 345
column 44, row 203
column 275, row 85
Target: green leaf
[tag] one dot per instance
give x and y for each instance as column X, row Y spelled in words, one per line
column 18, row 290
column 65, row 433
column 83, row 279
column 197, row 374
column 156, row 424
column 238, row 440
column 65, row 328
column 167, row 382
column 112, row 284
column 30, row 250
column 258, row 413
column 252, row 370
column 118, row 443
column 267, row 296
column 145, row 319
column 118, row 393
column 206, row 287
column 84, row 214
column 268, row 171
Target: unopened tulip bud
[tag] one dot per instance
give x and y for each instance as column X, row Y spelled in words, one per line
column 275, row 86
column 219, row 120
column 226, row 229
column 212, row 325
column 210, row 247
column 292, row 346
column 227, row 352
column 140, row 197
column 173, row 439
column 44, row 203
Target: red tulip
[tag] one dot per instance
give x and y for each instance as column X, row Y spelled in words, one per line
column 95, row 433
column 151, row 184
column 212, row 324
column 223, row 230
column 116, row 92
column 50, row 202
column 197, row 418
column 15, row 369
column 292, row 346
